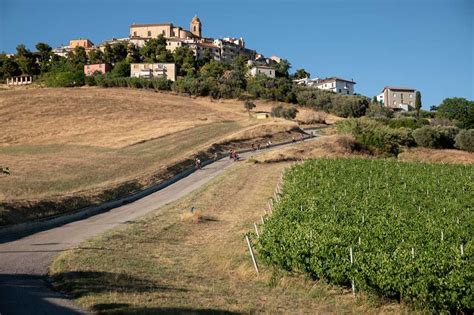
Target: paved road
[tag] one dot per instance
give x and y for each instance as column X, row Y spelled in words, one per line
column 24, row 262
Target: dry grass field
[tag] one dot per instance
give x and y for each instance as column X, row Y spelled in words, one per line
column 68, row 148
column 175, row 262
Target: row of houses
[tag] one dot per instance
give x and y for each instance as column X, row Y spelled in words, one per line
column 221, row 49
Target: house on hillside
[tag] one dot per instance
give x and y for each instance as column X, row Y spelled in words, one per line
column 262, row 70
column 153, row 70
column 334, row 84
column 101, row 68
column 397, row 98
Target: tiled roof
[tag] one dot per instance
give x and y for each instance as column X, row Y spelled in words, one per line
column 144, row 25
column 398, row 88
column 332, row 79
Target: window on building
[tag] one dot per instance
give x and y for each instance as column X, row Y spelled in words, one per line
column 194, row 28
column 134, row 33
column 270, row 72
column 394, row 94
column 163, row 32
column 411, row 95
column 135, row 66
column 347, row 92
column 340, row 90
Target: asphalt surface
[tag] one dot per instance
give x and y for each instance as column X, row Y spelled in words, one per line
column 24, row 262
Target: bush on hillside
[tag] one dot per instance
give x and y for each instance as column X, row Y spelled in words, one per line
column 340, row 105
column 377, row 111
column 64, row 79
column 160, row 84
column 377, row 137
column 435, row 137
column 287, row 112
column 465, row 140
column 408, row 122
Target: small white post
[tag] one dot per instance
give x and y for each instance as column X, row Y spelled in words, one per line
column 442, row 236
column 256, row 230
column 412, row 253
column 353, row 287
column 352, row 262
column 359, row 240
column 462, row 250
column 350, row 254
column 363, row 219
column 263, row 221
column 251, row 253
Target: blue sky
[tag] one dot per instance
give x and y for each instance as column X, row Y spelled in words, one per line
column 425, row 44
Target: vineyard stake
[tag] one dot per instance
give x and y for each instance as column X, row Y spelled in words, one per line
column 256, row 230
column 412, row 253
column 359, row 240
column 263, row 221
column 251, row 253
column 462, row 250
column 442, row 236
column 353, row 287
column 350, row 254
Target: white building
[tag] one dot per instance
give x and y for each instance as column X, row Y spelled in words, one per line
column 262, row 70
column 333, row 84
column 153, row 70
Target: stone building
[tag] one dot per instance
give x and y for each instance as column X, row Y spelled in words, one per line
column 402, row 98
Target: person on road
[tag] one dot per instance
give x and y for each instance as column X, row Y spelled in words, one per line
column 197, row 163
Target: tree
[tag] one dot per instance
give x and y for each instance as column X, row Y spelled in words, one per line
column 26, row 60
column 119, row 52
column 121, row 69
column 44, row 56
column 108, row 54
column 96, row 56
column 249, row 106
column 459, row 109
column 301, row 74
column 374, row 100
column 155, row 50
column 418, row 103
column 185, row 62
column 282, row 68
column 8, row 67
column 77, row 58
column 133, row 55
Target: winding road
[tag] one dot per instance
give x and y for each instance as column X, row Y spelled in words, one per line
column 24, row 262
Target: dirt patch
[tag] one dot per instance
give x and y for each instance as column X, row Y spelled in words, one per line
column 326, row 146
column 437, row 156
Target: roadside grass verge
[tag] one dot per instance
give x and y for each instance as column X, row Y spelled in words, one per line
column 168, row 262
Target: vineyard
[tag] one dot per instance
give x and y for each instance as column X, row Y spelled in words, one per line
column 399, row 230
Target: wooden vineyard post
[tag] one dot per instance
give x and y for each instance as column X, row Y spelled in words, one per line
column 251, row 253
column 352, row 262
column 462, row 250
column 256, row 230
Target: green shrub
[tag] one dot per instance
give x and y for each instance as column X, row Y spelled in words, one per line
column 376, row 136
column 408, row 122
column 64, row 79
column 287, row 112
column 435, row 137
column 465, row 140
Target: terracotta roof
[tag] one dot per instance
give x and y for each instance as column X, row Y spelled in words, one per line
column 157, row 24
column 398, row 88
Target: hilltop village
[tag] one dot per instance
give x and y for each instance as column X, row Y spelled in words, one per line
column 224, row 49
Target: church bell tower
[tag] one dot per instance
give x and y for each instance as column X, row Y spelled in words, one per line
column 196, row 26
